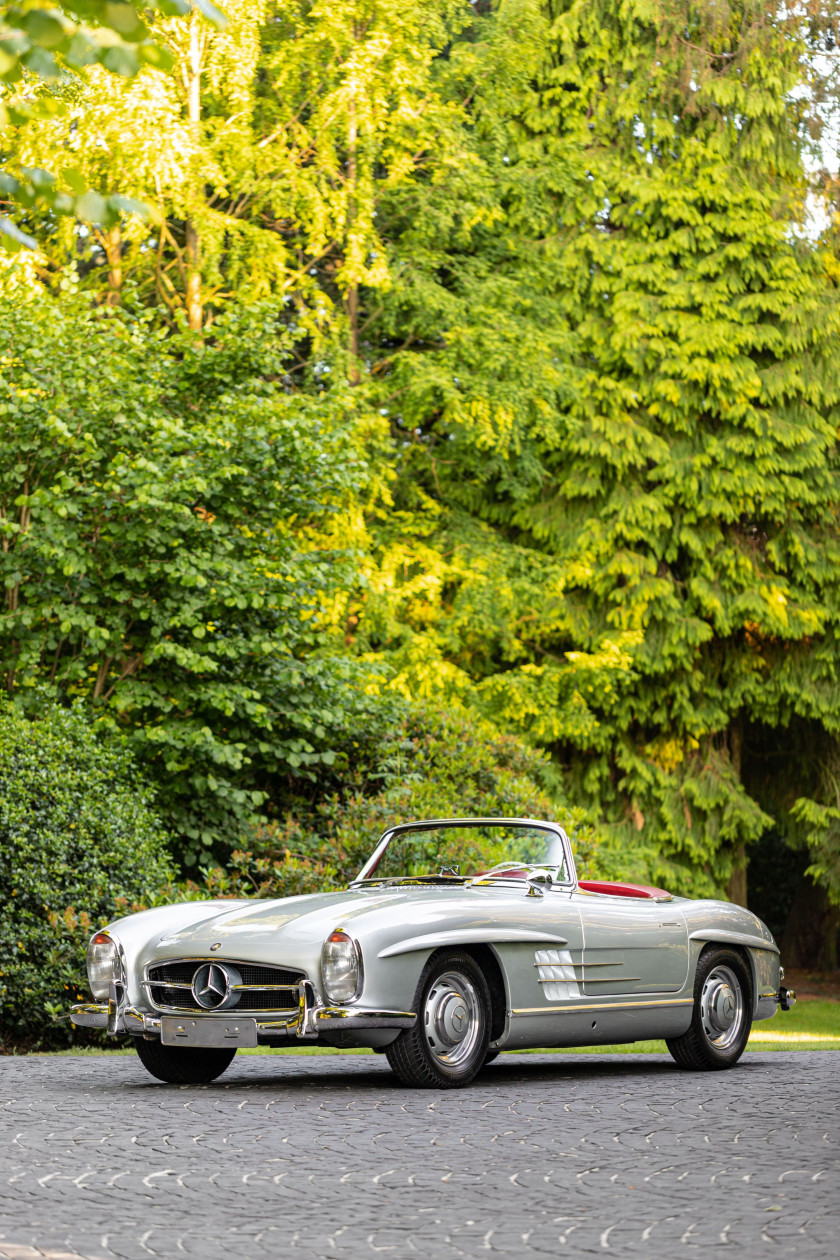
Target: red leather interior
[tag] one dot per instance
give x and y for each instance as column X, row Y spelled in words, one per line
column 622, row 890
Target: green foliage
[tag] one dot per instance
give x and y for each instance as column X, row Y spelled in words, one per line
column 38, row 45
column 818, row 826
column 79, row 840
column 433, row 763
column 628, row 549
column 562, row 249
column 160, row 508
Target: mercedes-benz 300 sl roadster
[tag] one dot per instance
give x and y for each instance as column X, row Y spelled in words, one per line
column 459, row 938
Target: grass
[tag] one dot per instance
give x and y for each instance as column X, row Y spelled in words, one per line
column 809, row 1026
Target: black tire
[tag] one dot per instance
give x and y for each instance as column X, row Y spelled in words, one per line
column 447, row 1046
column 182, row 1065
column 716, row 1037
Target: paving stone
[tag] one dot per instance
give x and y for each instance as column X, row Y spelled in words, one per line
column 329, row 1158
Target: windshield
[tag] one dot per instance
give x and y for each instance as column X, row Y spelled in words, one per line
column 446, row 852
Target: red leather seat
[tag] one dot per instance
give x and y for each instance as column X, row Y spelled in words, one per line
column 622, row 890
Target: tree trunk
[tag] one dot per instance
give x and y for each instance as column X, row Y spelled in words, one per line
column 195, row 313
column 736, row 889
column 112, row 244
column 353, row 290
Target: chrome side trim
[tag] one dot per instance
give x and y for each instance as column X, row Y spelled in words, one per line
column 571, row 1007
column 609, row 979
column 589, row 979
column 579, row 964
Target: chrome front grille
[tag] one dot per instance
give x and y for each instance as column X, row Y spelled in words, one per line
column 263, row 988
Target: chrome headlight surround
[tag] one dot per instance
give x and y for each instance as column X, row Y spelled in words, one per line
column 342, row 974
column 103, row 964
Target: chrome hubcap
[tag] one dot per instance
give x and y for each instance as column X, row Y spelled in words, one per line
column 722, row 1008
column 452, row 1020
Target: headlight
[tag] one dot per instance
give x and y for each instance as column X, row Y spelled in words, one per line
column 341, row 968
column 101, row 964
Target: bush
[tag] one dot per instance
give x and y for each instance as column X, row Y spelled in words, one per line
column 167, row 516
column 79, row 844
column 435, row 763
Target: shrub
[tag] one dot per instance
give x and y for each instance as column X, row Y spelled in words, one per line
column 167, row 516
column 79, row 842
column 435, row 763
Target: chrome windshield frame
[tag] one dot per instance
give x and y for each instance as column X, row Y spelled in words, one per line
column 425, row 824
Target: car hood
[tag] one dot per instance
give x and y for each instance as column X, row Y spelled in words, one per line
column 291, row 930
column 310, row 916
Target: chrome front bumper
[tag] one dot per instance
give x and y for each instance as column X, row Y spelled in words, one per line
column 309, row 1020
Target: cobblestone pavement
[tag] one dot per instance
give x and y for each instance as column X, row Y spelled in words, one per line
column 329, row 1157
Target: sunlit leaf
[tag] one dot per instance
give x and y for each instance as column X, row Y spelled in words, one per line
column 14, row 236
column 91, row 207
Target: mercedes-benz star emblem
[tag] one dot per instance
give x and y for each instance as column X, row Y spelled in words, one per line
column 212, row 986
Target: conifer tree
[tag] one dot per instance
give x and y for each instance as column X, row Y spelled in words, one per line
column 668, row 507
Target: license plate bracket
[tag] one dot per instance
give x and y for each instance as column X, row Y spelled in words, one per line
column 209, row 1032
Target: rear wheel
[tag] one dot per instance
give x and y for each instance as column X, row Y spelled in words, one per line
column 722, row 1017
column 448, row 1044
column 182, row 1065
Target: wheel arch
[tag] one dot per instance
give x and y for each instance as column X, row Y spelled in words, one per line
column 484, row 956
column 743, row 951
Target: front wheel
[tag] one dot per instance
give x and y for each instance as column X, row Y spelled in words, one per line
column 182, row 1065
column 447, row 1046
column 722, row 1016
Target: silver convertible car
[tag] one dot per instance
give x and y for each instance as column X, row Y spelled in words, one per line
column 458, row 939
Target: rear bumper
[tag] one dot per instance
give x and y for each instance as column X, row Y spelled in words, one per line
column 308, row 1020
column 786, row 998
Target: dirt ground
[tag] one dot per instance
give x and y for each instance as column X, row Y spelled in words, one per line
column 810, row 985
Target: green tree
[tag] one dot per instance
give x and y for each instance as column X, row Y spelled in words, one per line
column 266, row 154
column 173, row 535
column 431, row 761
column 641, row 556
column 38, row 45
